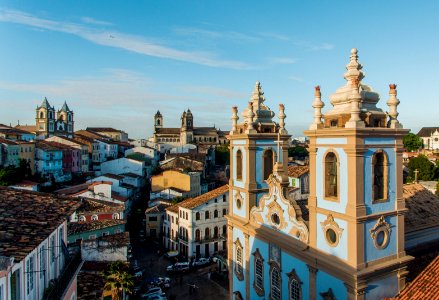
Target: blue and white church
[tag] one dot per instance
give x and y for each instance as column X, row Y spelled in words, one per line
column 348, row 241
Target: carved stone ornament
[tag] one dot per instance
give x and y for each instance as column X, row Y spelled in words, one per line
column 332, row 232
column 275, row 211
column 380, row 233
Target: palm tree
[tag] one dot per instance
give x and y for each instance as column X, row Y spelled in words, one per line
column 117, row 280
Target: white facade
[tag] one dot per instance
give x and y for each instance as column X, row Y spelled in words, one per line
column 124, row 165
column 28, row 278
column 101, row 250
column 431, row 142
column 198, row 231
column 147, row 151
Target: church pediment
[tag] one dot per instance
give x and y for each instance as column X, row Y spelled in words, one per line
column 275, row 211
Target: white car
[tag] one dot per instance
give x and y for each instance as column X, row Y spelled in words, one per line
column 201, row 262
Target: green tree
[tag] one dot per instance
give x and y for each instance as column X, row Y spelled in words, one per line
column 10, row 175
column 412, row 142
column 297, row 151
column 118, row 280
column 425, row 167
column 222, row 155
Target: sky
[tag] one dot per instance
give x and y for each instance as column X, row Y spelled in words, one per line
column 117, row 62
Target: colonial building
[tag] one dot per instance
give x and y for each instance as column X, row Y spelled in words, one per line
column 430, row 137
column 49, row 123
column 197, row 226
column 351, row 245
column 173, row 183
column 34, row 260
column 187, row 133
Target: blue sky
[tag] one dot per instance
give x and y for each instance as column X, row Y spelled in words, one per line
column 116, row 64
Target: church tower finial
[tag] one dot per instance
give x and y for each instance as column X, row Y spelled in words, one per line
column 355, row 102
column 317, row 105
column 354, row 67
column 282, row 117
column 393, row 103
column 234, row 119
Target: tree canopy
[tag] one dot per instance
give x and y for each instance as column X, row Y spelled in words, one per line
column 427, row 170
column 118, row 280
column 412, row 142
column 222, row 155
column 297, row 152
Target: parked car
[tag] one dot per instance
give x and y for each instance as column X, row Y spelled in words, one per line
column 178, row 267
column 201, row 262
column 156, row 296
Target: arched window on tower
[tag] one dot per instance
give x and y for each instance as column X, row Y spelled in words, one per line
column 158, row 121
column 41, row 115
column 268, row 163
column 331, row 175
column 238, row 165
column 380, row 176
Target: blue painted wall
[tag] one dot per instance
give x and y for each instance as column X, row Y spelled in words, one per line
column 325, row 281
column 373, row 253
column 379, row 141
column 239, row 211
column 263, row 247
column 239, row 183
column 288, row 264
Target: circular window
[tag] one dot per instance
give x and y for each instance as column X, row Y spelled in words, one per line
column 436, row 139
column 238, row 203
column 381, row 238
column 275, row 219
column 331, row 237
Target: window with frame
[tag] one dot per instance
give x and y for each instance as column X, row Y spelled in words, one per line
column 275, row 283
column 94, row 217
column 52, row 249
column 380, row 176
column 197, row 216
column 238, row 260
column 294, row 286
column 268, row 163
column 331, row 175
column 206, row 233
column 30, row 274
column 215, row 232
column 115, row 216
column 238, row 165
column 207, row 215
column 42, row 261
column 224, row 230
column 197, row 235
column 258, row 282
column 224, row 198
column 215, row 214
column 224, row 212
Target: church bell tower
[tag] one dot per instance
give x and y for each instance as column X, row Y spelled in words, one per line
column 356, row 206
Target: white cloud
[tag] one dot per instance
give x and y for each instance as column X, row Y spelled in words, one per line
column 295, row 78
column 89, row 20
column 230, row 35
column 121, row 40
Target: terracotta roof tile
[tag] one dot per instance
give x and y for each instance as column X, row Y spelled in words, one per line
column 297, row 171
column 197, row 201
column 78, row 227
column 27, row 218
column 173, row 208
column 425, row 286
column 427, row 131
column 27, row 128
column 168, row 131
column 423, row 208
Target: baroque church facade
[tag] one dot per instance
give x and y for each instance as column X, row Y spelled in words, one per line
column 348, row 242
column 49, row 123
column 187, row 133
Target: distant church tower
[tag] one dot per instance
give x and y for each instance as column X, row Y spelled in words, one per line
column 48, row 124
column 158, row 120
column 356, row 206
column 187, row 127
column 45, row 119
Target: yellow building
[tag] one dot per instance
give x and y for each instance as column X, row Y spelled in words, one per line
column 26, row 151
column 176, row 183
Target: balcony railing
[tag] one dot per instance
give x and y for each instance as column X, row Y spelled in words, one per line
column 60, row 284
column 207, row 239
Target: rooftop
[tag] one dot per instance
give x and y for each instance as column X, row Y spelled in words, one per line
column 427, row 131
column 297, row 171
column 425, row 286
column 102, row 129
column 27, row 128
column 423, row 208
column 173, row 208
column 157, row 208
column 89, row 206
column 28, row 218
column 79, row 227
column 197, row 201
column 47, row 146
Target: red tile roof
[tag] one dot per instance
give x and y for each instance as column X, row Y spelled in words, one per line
column 28, row 218
column 197, row 201
column 297, row 171
column 425, row 286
